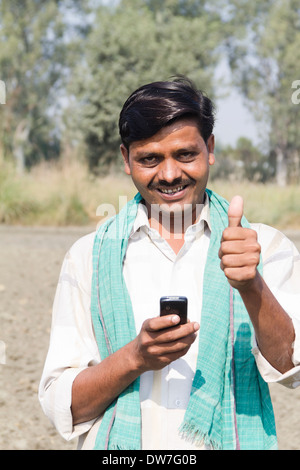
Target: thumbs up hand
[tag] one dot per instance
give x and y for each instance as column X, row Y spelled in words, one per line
column 239, row 250
column 235, row 211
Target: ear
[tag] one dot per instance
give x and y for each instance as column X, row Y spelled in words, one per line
column 211, row 149
column 125, row 155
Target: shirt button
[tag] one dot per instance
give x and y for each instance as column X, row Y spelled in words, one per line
column 177, row 403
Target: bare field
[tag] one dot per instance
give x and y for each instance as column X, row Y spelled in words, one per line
column 30, row 263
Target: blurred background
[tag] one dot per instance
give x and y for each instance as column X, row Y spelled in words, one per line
column 68, row 66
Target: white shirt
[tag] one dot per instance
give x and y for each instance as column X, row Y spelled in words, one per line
column 151, row 270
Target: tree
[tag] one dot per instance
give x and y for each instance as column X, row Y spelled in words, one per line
column 131, row 44
column 34, row 64
column 242, row 162
column 254, row 164
column 264, row 57
column 186, row 8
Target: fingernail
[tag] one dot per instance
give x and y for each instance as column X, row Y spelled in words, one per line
column 196, row 326
column 175, row 319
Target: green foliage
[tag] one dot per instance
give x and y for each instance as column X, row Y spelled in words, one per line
column 14, row 205
column 92, row 55
column 242, row 162
column 264, row 53
column 186, row 8
column 25, row 64
column 33, row 64
column 131, row 45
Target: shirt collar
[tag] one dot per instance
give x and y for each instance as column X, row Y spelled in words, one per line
column 142, row 222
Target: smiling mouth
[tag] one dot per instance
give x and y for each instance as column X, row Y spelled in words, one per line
column 172, row 190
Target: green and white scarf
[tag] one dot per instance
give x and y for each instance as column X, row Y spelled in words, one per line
column 229, row 405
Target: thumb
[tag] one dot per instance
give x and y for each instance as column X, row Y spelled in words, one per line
column 235, row 211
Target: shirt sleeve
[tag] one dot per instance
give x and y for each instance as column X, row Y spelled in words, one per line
column 72, row 343
column 281, row 272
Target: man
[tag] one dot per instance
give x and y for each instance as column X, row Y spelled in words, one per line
column 117, row 374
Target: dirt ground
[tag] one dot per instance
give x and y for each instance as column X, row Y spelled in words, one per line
column 30, row 261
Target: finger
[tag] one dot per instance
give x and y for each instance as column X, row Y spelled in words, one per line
column 239, row 260
column 240, row 274
column 235, row 211
column 166, row 359
column 178, row 345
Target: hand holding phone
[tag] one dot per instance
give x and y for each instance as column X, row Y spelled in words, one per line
column 174, row 305
column 163, row 340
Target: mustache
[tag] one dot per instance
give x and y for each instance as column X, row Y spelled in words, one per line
column 166, row 184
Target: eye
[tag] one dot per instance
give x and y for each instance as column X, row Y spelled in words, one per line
column 150, row 160
column 187, row 156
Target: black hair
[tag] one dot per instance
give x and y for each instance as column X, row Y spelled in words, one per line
column 158, row 104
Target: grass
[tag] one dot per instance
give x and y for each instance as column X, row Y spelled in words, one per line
column 58, row 195
column 265, row 203
column 66, row 194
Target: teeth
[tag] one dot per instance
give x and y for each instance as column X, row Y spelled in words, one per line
column 172, row 191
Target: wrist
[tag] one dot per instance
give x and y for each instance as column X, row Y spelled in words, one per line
column 250, row 286
column 134, row 359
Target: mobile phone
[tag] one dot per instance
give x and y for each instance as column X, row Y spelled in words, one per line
column 175, row 305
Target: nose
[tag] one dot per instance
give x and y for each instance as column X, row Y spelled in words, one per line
column 169, row 170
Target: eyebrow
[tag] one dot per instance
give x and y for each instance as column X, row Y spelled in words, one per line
column 189, row 149
column 143, row 154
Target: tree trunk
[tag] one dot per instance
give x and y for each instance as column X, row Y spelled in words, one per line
column 20, row 137
column 295, row 174
column 2, row 92
column 281, row 167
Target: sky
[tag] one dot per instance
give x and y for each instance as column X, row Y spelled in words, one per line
column 233, row 120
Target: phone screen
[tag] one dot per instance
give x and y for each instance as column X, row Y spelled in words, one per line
column 174, row 305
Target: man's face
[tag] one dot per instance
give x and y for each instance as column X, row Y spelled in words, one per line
column 171, row 168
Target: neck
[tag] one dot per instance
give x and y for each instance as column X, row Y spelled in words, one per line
column 172, row 225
